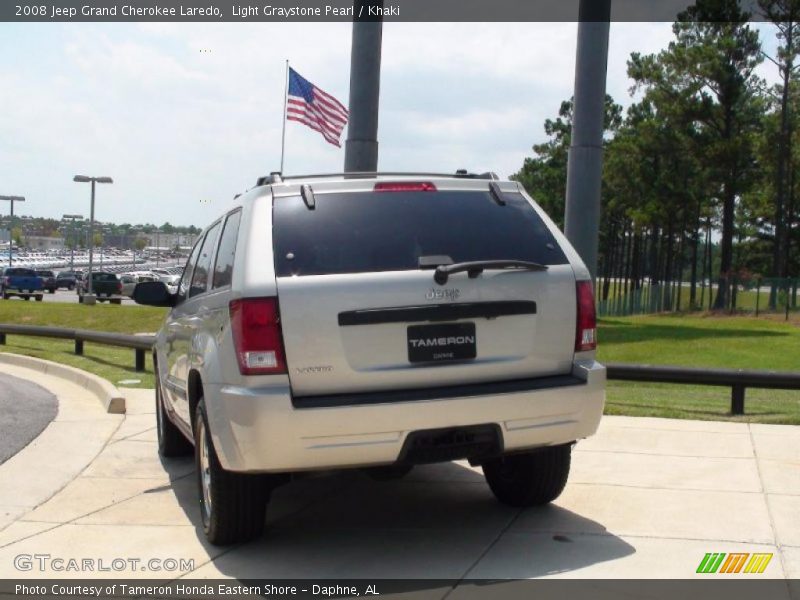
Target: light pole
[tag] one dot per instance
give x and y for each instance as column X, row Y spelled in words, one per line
column 102, row 242
column 585, row 159
column 72, row 219
column 11, row 222
column 136, row 233
column 92, row 180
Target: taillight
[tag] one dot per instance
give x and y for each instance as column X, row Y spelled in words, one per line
column 586, row 332
column 404, row 186
column 257, row 339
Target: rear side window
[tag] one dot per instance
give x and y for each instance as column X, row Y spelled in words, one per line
column 223, row 269
column 20, row 272
column 390, row 231
column 203, row 266
column 183, row 288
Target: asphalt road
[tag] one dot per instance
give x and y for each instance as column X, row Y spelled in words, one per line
column 25, row 410
column 65, row 296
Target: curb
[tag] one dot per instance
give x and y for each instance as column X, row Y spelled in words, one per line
column 108, row 395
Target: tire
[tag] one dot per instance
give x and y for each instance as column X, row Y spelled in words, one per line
column 80, row 299
column 71, row 287
column 39, row 298
column 171, row 442
column 232, row 505
column 27, row 298
column 388, row 472
column 530, row 479
column 116, row 301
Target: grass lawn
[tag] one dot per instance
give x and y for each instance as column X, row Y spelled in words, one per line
column 692, row 340
column 114, row 364
column 701, row 340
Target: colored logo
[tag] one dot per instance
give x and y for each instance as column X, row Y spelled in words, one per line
column 735, row 562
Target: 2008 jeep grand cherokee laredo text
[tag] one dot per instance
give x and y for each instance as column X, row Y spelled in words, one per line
column 376, row 321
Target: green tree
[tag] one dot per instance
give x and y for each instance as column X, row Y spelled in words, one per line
column 707, row 74
column 785, row 16
column 544, row 176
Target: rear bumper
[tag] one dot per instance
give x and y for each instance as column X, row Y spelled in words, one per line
column 261, row 430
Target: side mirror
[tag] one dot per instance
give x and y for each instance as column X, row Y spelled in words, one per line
column 153, row 293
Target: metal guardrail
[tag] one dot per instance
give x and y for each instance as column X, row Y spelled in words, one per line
column 737, row 379
column 139, row 343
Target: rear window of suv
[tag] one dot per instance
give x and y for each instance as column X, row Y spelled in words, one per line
column 389, row 231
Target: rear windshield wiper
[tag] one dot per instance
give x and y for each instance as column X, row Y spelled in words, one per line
column 475, row 268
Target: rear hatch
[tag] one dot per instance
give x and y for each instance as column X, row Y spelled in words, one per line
column 361, row 311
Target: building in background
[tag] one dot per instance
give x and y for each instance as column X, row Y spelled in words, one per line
column 42, row 242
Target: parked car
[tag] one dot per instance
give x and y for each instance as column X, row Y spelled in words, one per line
column 105, row 286
column 66, row 280
column 377, row 322
column 22, row 282
column 168, row 276
column 48, row 281
column 129, row 281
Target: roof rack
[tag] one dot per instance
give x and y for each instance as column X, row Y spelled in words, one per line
column 277, row 177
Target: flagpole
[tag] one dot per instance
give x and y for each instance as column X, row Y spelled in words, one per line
column 285, row 101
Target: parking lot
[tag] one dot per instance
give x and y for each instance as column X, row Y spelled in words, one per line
column 66, row 296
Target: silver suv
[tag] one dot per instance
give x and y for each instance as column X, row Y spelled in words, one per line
column 376, row 321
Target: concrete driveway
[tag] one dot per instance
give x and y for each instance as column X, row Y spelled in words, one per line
column 647, row 498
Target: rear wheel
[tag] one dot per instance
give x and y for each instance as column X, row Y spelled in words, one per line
column 531, row 478
column 171, row 442
column 27, row 297
column 232, row 505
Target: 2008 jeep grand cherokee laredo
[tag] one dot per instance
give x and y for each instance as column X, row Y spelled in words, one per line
column 376, row 321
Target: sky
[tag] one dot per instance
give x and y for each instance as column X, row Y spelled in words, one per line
column 184, row 116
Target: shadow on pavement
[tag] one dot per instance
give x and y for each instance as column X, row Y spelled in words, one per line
column 441, row 522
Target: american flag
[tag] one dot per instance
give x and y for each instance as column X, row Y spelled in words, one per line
column 308, row 104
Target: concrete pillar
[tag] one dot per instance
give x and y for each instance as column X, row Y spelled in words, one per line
column 361, row 146
column 585, row 163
